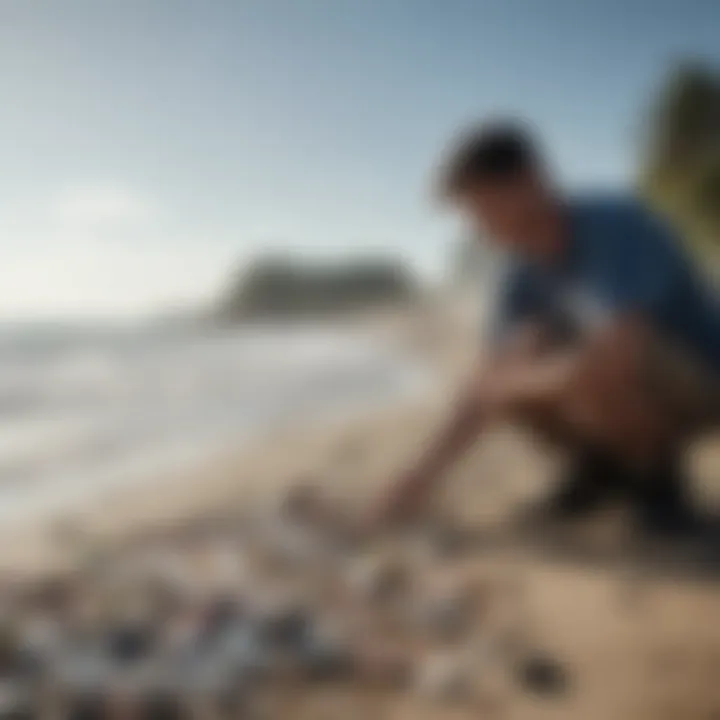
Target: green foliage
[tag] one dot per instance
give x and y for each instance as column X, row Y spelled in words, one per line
column 278, row 287
column 681, row 167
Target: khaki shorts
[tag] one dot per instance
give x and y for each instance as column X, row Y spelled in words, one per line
column 689, row 389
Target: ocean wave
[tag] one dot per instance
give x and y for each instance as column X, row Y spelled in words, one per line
column 78, row 417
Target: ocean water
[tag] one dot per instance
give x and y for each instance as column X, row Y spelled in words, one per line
column 82, row 411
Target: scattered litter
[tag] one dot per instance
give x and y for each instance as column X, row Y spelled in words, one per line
column 542, row 675
column 215, row 617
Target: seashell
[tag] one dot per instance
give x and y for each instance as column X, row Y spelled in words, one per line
column 129, row 642
column 285, row 627
column 382, row 666
column 379, row 579
column 328, row 654
column 300, row 503
column 446, row 617
column 444, row 677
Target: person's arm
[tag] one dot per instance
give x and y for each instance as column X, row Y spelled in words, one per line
column 407, row 494
column 509, row 334
column 516, row 377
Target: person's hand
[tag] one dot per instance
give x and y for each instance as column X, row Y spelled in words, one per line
column 399, row 504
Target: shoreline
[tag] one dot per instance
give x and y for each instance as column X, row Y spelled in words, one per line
column 252, row 467
column 253, row 473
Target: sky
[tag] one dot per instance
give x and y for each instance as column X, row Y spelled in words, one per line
column 149, row 147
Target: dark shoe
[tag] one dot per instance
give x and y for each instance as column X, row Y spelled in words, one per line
column 662, row 504
column 593, row 480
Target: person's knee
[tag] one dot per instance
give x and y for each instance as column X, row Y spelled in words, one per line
column 546, row 425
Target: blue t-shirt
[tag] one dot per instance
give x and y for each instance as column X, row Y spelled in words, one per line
column 620, row 259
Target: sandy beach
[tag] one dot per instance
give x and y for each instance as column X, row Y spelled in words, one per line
column 635, row 645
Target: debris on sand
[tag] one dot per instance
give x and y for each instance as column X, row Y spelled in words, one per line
column 542, row 675
column 216, row 617
column 444, row 678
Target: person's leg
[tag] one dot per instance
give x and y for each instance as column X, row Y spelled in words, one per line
column 689, row 393
column 595, row 472
column 632, row 403
column 646, row 400
column 592, row 479
column 587, row 391
column 597, row 475
column 661, row 497
column 593, row 476
column 608, row 400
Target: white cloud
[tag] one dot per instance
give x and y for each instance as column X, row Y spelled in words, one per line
column 68, row 277
column 101, row 249
column 100, row 205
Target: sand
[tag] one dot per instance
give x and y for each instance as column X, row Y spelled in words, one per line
column 633, row 646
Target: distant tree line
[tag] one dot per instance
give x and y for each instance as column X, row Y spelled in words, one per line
column 280, row 287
